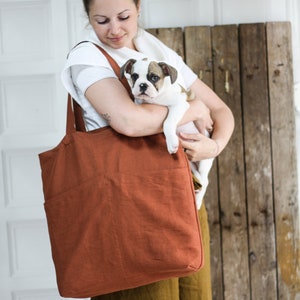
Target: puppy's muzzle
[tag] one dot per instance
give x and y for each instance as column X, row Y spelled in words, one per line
column 143, row 87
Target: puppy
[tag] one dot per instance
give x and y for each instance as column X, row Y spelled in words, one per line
column 155, row 82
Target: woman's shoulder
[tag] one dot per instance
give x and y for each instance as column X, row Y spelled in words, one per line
column 86, row 53
column 84, row 50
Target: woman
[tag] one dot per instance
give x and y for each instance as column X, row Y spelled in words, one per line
column 104, row 101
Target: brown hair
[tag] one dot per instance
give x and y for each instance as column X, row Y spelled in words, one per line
column 87, row 4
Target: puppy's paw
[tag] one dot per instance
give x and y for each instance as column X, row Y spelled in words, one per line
column 172, row 145
column 172, row 150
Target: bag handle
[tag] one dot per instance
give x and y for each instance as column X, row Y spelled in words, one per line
column 116, row 69
column 75, row 117
column 70, row 128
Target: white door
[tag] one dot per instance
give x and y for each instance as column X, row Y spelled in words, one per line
column 35, row 36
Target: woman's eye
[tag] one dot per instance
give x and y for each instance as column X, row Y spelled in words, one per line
column 123, row 18
column 101, row 22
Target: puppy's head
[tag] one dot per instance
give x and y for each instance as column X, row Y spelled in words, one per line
column 147, row 78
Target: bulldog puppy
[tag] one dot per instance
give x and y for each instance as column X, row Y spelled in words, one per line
column 155, row 82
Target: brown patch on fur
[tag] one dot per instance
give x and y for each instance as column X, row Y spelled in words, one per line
column 155, row 69
column 189, row 93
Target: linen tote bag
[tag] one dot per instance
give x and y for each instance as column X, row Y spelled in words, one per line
column 121, row 211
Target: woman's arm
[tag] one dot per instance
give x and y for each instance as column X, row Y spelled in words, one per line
column 223, row 124
column 111, row 100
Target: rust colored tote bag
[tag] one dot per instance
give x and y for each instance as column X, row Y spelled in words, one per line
column 121, row 211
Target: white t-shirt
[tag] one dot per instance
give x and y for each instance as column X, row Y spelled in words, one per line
column 86, row 65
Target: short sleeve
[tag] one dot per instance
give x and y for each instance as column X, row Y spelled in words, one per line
column 188, row 75
column 84, row 76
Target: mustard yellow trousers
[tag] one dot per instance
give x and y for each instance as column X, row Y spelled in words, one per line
column 193, row 287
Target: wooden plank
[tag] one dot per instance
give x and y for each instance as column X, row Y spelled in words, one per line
column 284, row 158
column 231, row 167
column 172, row 37
column 198, row 50
column 257, row 158
column 254, row 78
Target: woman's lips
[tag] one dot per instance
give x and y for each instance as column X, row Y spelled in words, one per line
column 116, row 39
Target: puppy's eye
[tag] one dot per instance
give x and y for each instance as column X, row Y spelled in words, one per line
column 154, row 78
column 134, row 76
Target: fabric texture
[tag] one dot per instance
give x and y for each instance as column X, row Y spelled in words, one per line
column 115, row 220
column 193, row 287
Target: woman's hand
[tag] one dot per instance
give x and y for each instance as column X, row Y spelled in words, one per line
column 199, row 113
column 204, row 121
column 220, row 124
column 198, row 146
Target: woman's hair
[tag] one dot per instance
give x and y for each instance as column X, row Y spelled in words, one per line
column 87, row 4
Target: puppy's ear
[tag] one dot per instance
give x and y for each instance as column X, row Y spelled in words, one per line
column 168, row 71
column 126, row 68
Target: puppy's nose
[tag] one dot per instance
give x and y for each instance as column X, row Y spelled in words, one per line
column 143, row 87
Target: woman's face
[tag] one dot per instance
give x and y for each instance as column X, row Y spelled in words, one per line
column 115, row 22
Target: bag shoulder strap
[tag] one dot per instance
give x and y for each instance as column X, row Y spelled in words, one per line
column 116, row 69
column 75, row 117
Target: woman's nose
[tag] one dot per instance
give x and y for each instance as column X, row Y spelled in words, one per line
column 114, row 27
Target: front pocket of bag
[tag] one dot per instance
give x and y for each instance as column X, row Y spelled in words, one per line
column 158, row 221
